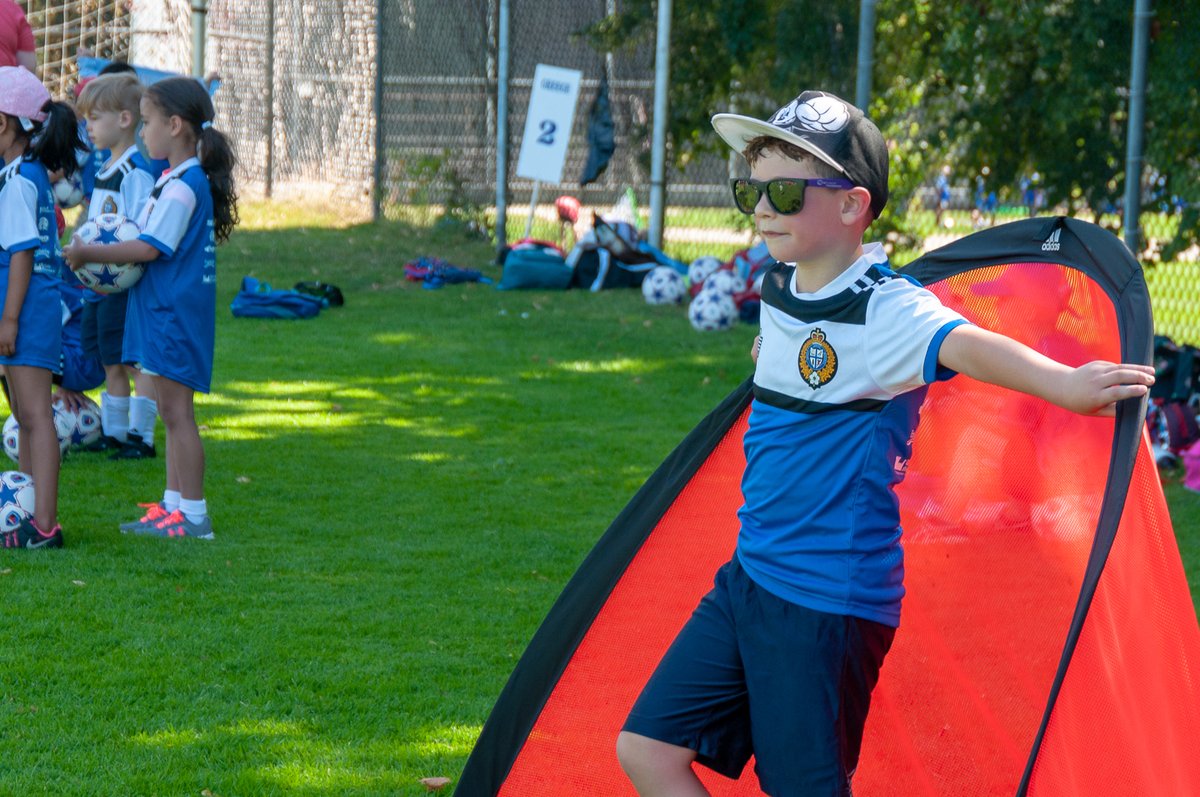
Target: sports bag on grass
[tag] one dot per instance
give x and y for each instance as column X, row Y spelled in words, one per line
column 258, row 300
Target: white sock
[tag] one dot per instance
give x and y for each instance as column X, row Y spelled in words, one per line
column 171, row 499
column 114, row 415
column 143, row 412
column 194, row 511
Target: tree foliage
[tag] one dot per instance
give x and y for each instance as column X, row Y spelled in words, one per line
column 1018, row 86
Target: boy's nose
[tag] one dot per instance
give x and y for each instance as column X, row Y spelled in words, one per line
column 763, row 208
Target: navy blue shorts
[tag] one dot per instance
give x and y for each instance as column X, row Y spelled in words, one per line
column 753, row 674
column 102, row 327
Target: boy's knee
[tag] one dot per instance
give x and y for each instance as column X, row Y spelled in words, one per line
column 627, row 749
column 640, row 755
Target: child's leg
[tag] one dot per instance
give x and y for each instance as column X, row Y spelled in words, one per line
column 114, row 403
column 185, row 469
column 658, row 768
column 143, row 407
column 185, row 452
column 39, row 453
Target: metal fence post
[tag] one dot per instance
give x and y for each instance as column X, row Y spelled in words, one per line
column 866, row 53
column 1137, row 106
column 502, row 128
column 377, row 174
column 658, row 154
column 199, row 19
column 269, row 121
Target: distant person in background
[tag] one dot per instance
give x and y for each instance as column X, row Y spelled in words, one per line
column 942, row 184
column 17, row 47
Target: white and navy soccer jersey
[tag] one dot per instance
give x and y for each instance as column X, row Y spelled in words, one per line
column 838, row 387
column 28, row 223
column 122, row 186
column 171, row 323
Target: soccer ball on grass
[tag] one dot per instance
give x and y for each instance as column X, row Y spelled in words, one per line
column 663, row 285
column 16, row 499
column 64, row 425
column 711, row 311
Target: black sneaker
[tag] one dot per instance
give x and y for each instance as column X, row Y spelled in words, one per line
column 105, row 443
column 28, row 535
column 134, row 448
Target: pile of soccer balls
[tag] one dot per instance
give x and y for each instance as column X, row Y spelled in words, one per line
column 73, row 427
column 714, row 290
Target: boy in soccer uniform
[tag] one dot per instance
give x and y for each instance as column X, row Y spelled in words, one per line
column 110, row 103
column 779, row 660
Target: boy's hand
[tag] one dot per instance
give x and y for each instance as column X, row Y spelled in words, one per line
column 8, row 337
column 1094, row 388
column 73, row 255
column 755, row 347
column 70, row 399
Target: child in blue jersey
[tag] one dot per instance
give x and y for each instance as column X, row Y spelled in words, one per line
column 123, row 185
column 170, row 327
column 111, row 104
column 37, row 136
column 779, row 660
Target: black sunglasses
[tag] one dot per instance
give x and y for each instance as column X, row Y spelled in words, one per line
column 785, row 194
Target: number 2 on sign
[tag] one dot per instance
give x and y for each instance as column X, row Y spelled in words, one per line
column 547, row 127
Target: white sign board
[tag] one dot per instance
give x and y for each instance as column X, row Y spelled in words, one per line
column 548, row 125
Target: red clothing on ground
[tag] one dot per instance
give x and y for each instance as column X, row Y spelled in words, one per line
column 15, row 34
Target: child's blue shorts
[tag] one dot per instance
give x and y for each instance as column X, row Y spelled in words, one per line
column 102, row 327
column 39, row 324
column 753, row 674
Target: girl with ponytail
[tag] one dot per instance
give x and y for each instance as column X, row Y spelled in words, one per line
column 170, row 326
column 37, row 136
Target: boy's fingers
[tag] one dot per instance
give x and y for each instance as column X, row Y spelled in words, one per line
column 1122, row 392
column 1130, row 375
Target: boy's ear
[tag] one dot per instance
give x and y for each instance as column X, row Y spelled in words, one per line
column 125, row 119
column 857, row 205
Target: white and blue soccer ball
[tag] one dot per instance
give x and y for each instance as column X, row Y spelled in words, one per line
column 663, row 285
column 711, row 311
column 68, row 192
column 701, row 268
column 85, row 423
column 109, row 228
column 16, row 499
column 10, row 437
column 724, row 281
column 64, row 424
column 87, row 426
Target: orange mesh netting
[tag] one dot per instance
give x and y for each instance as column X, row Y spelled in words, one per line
column 1000, row 508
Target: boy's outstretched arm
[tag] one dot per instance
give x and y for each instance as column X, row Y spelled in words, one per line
column 1090, row 389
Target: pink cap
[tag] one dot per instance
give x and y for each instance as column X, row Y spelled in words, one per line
column 22, row 94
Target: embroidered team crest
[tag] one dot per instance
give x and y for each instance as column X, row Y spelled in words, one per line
column 818, row 360
column 110, row 205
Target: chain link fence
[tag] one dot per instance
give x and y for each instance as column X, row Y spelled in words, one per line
column 439, row 118
column 392, row 105
column 62, row 28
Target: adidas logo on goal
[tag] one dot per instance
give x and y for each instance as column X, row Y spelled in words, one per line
column 1051, row 244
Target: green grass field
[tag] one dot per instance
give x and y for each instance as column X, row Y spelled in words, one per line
column 400, row 488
